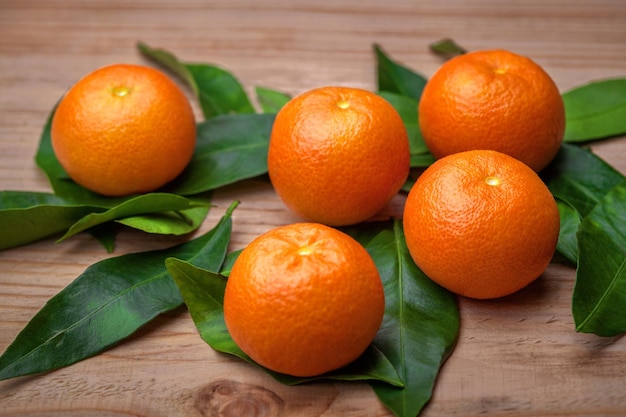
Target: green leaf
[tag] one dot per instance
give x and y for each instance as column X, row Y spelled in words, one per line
column 271, row 101
column 580, row 178
column 599, row 300
column 142, row 204
column 228, row 149
column 422, row 160
column 396, row 78
column 567, row 244
column 203, row 292
column 447, row 47
column 596, row 110
column 175, row 223
column 217, row 90
column 421, row 323
column 407, row 109
column 26, row 216
column 229, row 262
column 105, row 234
column 109, row 301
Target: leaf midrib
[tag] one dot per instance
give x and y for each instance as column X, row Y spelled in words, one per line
column 606, row 112
column 605, row 295
column 88, row 316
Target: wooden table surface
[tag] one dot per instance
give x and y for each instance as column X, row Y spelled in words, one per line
column 518, row 356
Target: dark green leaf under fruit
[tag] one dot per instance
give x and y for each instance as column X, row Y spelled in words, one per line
column 203, row 292
column 396, row 78
column 421, row 322
column 580, row 178
column 228, row 149
column 407, row 109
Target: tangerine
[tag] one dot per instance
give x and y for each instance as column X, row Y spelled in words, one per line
column 481, row 224
column 338, row 155
column 123, row 129
column 304, row 299
column 495, row 100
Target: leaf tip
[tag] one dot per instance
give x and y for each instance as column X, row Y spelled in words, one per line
column 143, row 47
column 447, row 47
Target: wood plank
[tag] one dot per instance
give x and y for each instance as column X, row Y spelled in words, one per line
column 518, row 356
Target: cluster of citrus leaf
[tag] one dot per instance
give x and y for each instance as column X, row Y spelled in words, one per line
column 113, row 298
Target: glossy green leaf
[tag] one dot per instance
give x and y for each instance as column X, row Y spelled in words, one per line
column 228, row 149
column 580, row 178
column 217, row 90
column 271, row 101
column 447, row 47
column 396, row 78
column 596, row 110
column 142, row 204
column 109, row 301
column 27, row 216
column 175, row 223
column 567, row 244
column 421, row 323
column 203, row 292
column 229, row 262
column 422, row 160
column 407, row 109
column 599, row 300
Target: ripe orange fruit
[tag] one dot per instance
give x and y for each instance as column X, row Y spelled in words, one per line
column 303, row 299
column 338, row 155
column 493, row 100
column 481, row 224
column 124, row 129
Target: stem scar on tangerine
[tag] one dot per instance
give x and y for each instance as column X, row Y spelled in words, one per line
column 492, row 180
column 343, row 104
column 304, row 251
column 121, row 91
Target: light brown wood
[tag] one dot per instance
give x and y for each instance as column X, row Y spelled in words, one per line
column 518, row 356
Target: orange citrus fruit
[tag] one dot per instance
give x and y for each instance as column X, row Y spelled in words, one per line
column 481, row 224
column 304, row 299
column 123, row 129
column 493, row 100
column 338, row 155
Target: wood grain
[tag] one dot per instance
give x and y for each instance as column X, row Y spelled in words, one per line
column 518, row 356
